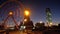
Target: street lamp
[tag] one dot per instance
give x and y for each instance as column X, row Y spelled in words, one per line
column 26, row 13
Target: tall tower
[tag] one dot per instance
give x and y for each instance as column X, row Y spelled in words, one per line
column 48, row 17
column 26, row 21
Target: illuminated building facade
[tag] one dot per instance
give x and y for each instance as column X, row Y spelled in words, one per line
column 48, row 17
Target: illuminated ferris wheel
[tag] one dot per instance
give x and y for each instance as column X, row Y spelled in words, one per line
column 16, row 7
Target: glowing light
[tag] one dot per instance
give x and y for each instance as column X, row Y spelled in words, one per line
column 10, row 13
column 50, row 24
column 57, row 24
column 25, row 20
column 22, row 27
column 41, row 22
column 26, row 12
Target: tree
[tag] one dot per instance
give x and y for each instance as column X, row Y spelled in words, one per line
column 39, row 26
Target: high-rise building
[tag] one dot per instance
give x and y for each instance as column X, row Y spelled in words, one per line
column 48, row 17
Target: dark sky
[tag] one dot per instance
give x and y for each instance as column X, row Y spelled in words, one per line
column 37, row 7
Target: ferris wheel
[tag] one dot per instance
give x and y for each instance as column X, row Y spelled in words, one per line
column 11, row 4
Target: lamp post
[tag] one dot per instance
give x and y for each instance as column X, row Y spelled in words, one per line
column 26, row 15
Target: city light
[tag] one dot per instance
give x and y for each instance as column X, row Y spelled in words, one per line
column 50, row 24
column 41, row 22
column 26, row 13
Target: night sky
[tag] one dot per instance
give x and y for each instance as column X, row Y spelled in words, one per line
column 37, row 7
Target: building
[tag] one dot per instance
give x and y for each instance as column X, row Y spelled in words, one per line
column 48, row 16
